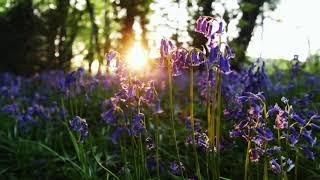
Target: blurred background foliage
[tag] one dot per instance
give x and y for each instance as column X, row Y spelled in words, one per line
column 39, row 35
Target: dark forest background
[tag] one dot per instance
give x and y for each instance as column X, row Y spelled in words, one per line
column 39, row 35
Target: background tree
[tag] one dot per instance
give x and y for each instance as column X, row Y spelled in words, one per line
column 250, row 9
column 134, row 9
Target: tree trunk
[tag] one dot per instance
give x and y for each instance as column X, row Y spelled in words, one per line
column 246, row 24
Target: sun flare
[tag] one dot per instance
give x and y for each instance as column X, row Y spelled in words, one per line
column 137, row 57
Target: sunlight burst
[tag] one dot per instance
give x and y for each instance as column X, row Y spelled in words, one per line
column 137, row 57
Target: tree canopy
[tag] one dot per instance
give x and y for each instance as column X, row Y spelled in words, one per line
column 41, row 35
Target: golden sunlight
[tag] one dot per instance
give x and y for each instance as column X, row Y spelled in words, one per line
column 95, row 67
column 137, row 57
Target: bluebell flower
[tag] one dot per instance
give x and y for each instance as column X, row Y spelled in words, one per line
column 273, row 150
column 307, row 151
column 315, row 117
column 149, row 144
column 152, row 163
column 138, row 124
column 274, row 110
column 281, row 121
column 10, row 109
column 80, row 125
column 275, row 167
column 117, row 133
column 229, row 52
column 299, row 119
column 213, row 55
column 307, row 135
column 158, row 109
column 201, row 141
column 108, row 116
column 224, row 64
column 110, row 56
column 235, row 133
column 294, row 137
column 265, row 134
column 196, row 123
column 314, row 126
column 176, row 70
column 177, row 168
column 242, row 99
column 71, row 78
column 254, row 155
column 165, row 47
column 197, row 58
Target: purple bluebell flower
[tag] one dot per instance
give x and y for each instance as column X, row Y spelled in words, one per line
column 242, row 124
column 281, row 121
column 108, row 116
column 308, row 152
column 242, row 99
column 220, row 27
column 196, row 123
column 229, row 52
column 165, row 47
column 213, row 55
column 201, row 140
column 117, row 133
column 80, row 125
column 176, row 70
column 274, row 110
column 259, row 140
column 110, row 56
column 177, row 168
column 294, row 137
column 314, row 126
column 197, row 58
column 157, row 108
column 10, row 109
column 315, row 117
column 265, row 134
column 149, row 144
column 273, row 150
column 199, row 23
column 152, row 163
column 235, row 133
column 254, row 155
column 299, row 119
column 255, row 111
column 275, row 167
column 307, row 135
column 138, row 124
column 224, row 64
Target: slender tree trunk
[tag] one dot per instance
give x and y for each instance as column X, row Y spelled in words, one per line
column 127, row 25
column 94, row 36
column 247, row 24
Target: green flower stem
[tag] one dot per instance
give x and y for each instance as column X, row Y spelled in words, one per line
column 171, row 109
column 296, row 177
column 218, row 127
column 157, row 146
column 192, row 123
column 208, row 113
column 265, row 168
column 212, row 128
column 246, row 168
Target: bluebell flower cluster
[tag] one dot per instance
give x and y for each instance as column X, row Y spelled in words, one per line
column 134, row 95
column 253, row 126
